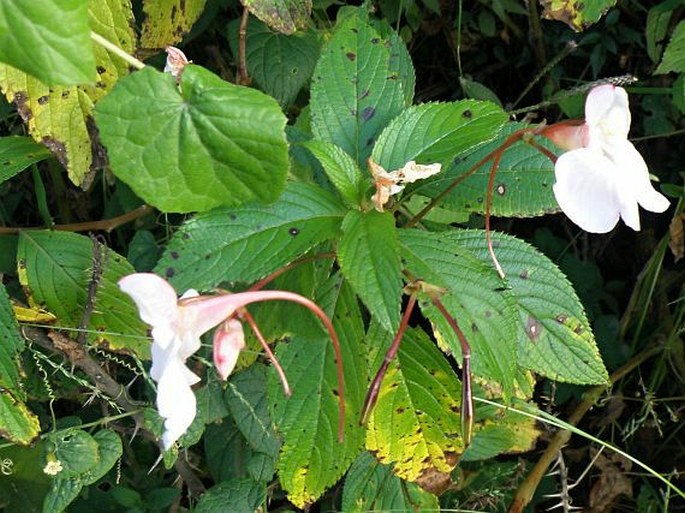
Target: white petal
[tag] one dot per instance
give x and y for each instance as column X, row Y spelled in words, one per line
column 631, row 165
column 607, row 109
column 585, row 189
column 155, row 298
column 175, row 402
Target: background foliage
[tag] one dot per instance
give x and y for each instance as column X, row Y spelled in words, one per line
column 255, row 161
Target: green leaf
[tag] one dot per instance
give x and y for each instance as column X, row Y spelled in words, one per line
column 247, row 401
column 166, row 22
column 242, row 495
column 577, row 15
column 312, row 459
column 475, row 297
column 658, row 21
column 554, row 335
column 49, row 40
column 280, row 65
column 249, row 242
column 415, row 424
column 478, row 91
column 359, row 85
column 56, row 269
column 372, row 486
column 369, row 257
column 500, row 432
column 437, row 132
column 205, row 144
column 17, row 153
column 340, row 169
column 285, row 16
column 62, row 493
column 61, row 117
column 523, row 183
column 109, row 451
column 674, row 55
column 28, row 485
column 76, row 450
column 12, row 344
column 17, row 423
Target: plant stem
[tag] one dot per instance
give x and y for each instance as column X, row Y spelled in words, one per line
column 527, row 488
column 116, row 50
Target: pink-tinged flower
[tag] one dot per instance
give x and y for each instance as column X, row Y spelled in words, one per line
column 177, row 325
column 602, row 177
column 229, row 340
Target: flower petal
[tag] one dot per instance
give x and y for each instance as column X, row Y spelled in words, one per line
column 155, row 298
column 634, row 169
column 586, row 191
column 607, row 110
column 175, row 401
column 229, row 340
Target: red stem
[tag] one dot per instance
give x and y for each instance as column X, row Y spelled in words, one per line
column 279, row 370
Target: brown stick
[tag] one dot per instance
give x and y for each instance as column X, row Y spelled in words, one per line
column 243, row 76
column 527, row 488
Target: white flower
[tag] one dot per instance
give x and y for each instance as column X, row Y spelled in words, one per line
column 177, row 325
column 53, row 467
column 602, row 177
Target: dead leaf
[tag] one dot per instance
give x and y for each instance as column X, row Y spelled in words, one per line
column 389, row 183
column 612, row 483
column 677, row 242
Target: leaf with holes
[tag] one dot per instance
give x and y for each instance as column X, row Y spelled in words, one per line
column 372, row 486
column 61, row 118
column 437, row 132
column 415, row 424
column 311, row 458
column 358, row 87
column 554, row 335
column 523, row 183
column 205, row 144
column 475, row 297
column 285, row 16
column 280, row 65
column 368, row 254
column 56, row 269
column 49, row 40
column 221, row 245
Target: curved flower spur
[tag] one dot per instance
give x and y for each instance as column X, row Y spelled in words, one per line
column 177, row 325
column 600, row 178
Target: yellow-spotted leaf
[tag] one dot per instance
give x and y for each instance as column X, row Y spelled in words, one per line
column 166, row 23
column 415, row 424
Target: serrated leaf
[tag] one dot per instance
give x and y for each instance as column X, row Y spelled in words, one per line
column 280, row 65
column 674, row 55
column 340, row 169
column 10, row 347
column 415, row 424
column 368, row 254
column 357, row 87
column 222, row 245
column 312, row 459
column 205, row 144
column 285, row 16
column 56, row 267
column 372, row 486
column 247, row 402
column 17, row 153
column 166, row 22
column 61, row 117
column 523, row 183
column 17, row 423
column 658, row 21
column 577, row 15
column 554, row 335
column 475, row 297
column 437, row 132
column 242, row 495
column 49, row 40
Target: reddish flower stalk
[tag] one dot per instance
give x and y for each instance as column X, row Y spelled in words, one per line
column 467, row 410
column 279, row 370
column 374, row 388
